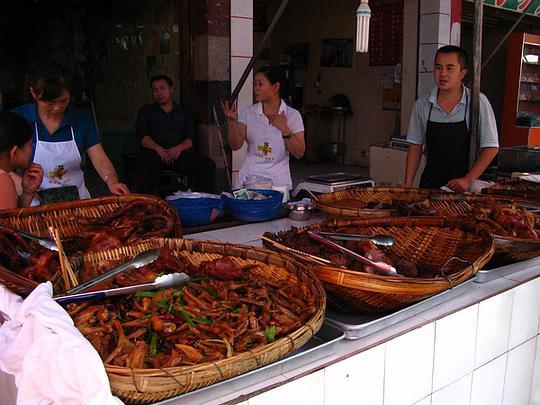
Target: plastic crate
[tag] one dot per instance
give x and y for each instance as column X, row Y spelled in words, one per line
column 520, row 158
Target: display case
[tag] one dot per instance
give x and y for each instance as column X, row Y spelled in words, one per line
column 521, row 114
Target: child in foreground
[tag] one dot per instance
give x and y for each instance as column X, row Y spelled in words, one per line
column 15, row 153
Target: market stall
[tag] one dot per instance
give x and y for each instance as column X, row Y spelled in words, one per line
column 404, row 328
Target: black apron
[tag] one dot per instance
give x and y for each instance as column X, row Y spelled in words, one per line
column 447, row 151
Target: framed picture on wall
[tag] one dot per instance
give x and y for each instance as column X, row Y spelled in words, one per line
column 336, row 52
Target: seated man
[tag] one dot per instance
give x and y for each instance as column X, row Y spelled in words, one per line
column 166, row 132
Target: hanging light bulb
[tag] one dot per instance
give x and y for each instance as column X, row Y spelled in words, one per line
column 363, row 14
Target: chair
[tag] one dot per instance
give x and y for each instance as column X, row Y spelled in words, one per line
column 169, row 180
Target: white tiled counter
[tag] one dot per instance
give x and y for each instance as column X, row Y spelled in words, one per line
column 481, row 346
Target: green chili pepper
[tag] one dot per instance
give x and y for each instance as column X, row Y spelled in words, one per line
column 178, row 293
column 148, row 315
column 200, row 319
column 153, row 344
column 186, row 316
column 145, row 294
column 270, row 334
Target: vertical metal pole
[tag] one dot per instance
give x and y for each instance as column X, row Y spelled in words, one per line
column 477, row 66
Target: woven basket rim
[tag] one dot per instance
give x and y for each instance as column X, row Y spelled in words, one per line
column 313, row 324
column 403, row 282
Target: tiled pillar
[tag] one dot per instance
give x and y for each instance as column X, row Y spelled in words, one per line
column 210, row 23
column 241, row 52
column 439, row 26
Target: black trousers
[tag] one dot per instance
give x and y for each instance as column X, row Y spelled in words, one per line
column 200, row 168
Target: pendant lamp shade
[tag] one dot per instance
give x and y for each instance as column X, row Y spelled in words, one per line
column 363, row 14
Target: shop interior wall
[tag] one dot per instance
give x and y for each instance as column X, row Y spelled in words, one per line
column 142, row 40
column 111, row 48
column 310, row 21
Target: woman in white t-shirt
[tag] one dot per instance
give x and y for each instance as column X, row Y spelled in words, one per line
column 271, row 128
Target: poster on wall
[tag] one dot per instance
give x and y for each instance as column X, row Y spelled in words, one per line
column 336, row 52
column 386, row 32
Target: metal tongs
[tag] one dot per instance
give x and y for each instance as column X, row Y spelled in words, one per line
column 142, row 259
column 382, row 267
column 379, row 240
column 47, row 243
column 165, row 281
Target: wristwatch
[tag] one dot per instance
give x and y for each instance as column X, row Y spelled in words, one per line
column 288, row 136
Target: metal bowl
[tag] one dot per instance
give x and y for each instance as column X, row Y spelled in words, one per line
column 300, row 212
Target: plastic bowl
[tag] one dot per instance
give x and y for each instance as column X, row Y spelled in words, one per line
column 198, row 211
column 255, row 210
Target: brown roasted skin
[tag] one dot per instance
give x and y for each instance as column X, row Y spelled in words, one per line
column 27, row 258
column 205, row 320
column 134, row 222
column 366, row 248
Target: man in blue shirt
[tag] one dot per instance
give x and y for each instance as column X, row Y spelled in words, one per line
column 166, row 132
column 440, row 121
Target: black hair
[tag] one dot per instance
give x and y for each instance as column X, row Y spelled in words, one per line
column 14, row 131
column 275, row 74
column 48, row 80
column 161, row 77
column 463, row 59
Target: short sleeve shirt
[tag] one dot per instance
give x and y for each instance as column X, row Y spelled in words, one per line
column 166, row 129
column 83, row 125
column 252, row 113
column 419, row 117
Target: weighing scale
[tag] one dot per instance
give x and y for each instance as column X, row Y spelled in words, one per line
column 330, row 182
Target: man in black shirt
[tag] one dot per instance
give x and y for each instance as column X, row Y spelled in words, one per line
column 166, row 132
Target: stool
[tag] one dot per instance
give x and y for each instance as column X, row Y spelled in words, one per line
column 169, row 182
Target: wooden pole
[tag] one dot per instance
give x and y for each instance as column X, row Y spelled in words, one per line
column 475, row 91
column 249, row 66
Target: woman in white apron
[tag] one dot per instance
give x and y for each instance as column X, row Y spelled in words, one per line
column 271, row 128
column 60, row 130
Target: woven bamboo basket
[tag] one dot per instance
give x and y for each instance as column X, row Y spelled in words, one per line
column 60, row 215
column 429, row 242
column 507, row 249
column 327, row 202
column 138, row 386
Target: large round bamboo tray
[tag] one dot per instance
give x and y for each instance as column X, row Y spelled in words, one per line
column 429, row 242
column 507, row 249
column 60, row 215
column 326, row 202
column 137, row 386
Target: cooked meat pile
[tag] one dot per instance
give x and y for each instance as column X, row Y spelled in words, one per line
column 224, row 310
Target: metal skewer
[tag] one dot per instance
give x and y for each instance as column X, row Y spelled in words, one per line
column 382, row 267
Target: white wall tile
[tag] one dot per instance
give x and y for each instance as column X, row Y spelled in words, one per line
column 459, row 392
column 241, row 37
column 444, row 29
column 423, row 401
column 362, row 373
column 305, row 390
column 535, row 386
column 455, row 338
column 488, row 382
column 519, row 373
column 493, row 327
column 427, row 59
column 430, row 6
column 429, row 28
column 242, row 8
column 525, row 310
column 238, row 66
column 409, row 366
